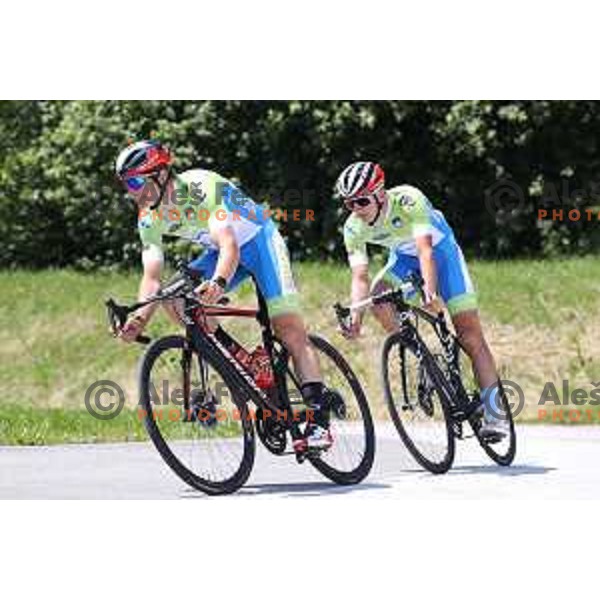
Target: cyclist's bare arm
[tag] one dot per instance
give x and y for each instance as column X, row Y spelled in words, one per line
column 428, row 270
column 227, row 263
column 229, row 252
column 360, row 283
column 149, row 285
column 359, row 291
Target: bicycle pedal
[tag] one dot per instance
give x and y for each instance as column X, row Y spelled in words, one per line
column 492, row 438
column 300, row 457
column 304, row 453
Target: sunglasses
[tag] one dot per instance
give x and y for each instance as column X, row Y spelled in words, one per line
column 362, row 202
column 136, row 183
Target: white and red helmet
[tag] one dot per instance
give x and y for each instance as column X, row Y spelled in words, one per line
column 360, row 179
column 142, row 158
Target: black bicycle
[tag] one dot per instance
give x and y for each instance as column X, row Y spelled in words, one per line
column 195, row 392
column 429, row 385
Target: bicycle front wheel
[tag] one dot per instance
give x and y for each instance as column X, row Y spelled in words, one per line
column 192, row 416
column 417, row 404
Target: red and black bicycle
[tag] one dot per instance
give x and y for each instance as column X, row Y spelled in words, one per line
column 196, row 391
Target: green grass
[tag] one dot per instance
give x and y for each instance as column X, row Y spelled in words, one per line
column 32, row 426
column 540, row 292
column 540, row 317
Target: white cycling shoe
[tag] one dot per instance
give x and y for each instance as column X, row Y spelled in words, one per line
column 315, row 438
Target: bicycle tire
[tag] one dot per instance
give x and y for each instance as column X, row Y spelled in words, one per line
column 231, row 484
column 506, row 458
column 400, row 341
column 362, row 469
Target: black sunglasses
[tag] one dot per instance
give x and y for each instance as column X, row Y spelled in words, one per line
column 362, row 202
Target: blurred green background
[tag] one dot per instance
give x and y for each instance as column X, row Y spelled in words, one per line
column 59, row 205
column 69, row 238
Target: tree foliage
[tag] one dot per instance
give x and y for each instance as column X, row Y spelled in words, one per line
column 489, row 165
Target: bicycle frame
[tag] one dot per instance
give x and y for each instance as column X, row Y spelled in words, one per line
column 462, row 406
column 203, row 339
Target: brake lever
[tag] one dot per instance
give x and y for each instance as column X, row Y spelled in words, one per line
column 117, row 316
column 342, row 314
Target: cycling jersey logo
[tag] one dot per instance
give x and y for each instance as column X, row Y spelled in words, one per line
column 381, row 236
column 406, row 200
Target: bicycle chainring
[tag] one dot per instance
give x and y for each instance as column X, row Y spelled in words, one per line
column 271, row 433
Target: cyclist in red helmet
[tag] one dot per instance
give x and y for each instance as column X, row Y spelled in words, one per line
column 240, row 240
column 419, row 240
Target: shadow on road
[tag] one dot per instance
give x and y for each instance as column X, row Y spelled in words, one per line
column 316, row 488
column 513, row 471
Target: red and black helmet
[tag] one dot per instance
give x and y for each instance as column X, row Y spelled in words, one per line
column 142, row 158
column 360, row 179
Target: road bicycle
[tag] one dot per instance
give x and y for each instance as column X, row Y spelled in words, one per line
column 429, row 385
column 197, row 392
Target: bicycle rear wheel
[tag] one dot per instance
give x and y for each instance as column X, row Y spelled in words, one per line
column 417, row 403
column 350, row 458
column 192, row 417
column 503, row 451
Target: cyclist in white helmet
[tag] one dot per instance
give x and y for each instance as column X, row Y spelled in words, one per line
column 419, row 240
column 240, row 240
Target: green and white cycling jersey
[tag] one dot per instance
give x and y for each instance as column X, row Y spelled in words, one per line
column 204, row 201
column 409, row 214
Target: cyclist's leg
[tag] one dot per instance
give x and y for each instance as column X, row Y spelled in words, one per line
column 458, row 293
column 266, row 256
column 398, row 267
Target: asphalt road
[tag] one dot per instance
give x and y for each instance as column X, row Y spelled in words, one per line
column 552, row 462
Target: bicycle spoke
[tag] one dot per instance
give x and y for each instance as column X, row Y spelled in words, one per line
column 206, row 445
column 415, row 404
column 350, row 457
